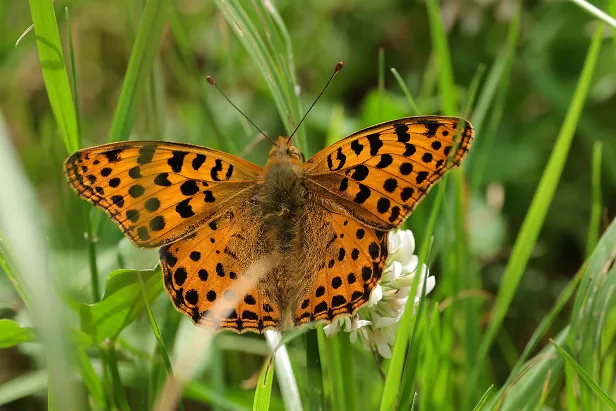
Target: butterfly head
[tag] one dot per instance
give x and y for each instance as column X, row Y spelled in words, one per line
column 285, row 151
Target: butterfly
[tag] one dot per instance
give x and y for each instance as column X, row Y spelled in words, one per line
column 311, row 236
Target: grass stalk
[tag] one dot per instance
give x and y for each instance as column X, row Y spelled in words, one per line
column 594, row 225
column 161, row 349
column 414, row 109
column 535, row 217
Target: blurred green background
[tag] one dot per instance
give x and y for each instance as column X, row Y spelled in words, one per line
column 178, row 105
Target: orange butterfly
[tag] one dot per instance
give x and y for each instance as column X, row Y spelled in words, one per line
column 310, row 238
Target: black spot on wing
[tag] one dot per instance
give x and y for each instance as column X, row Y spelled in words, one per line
column 198, row 161
column 402, row 132
column 362, row 195
column 421, row 176
column 189, row 188
column 375, row 143
column 357, row 147
column 410, row 149
column 177, row 160
column 216, row 169
column 383, row 205
column 184, row 209
column 113, row 155
column 340, row 159
column 135, row 172
column 432, row 127
column 358, row 173
column 390, row 185
column 395, row 213
column 166, row 256
column 146, row 154
column 386, row 160
column 162, row 180
column 152, row 204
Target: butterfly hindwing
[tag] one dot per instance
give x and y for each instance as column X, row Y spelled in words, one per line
column 380, row 174
column 352, row 258
column 213, row 275
column 159, row 192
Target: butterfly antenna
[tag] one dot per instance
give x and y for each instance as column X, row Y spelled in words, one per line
column 213, row 83
column 336, row 71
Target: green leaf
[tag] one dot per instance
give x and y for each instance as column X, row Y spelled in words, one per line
column 139, row 68
column 12, row 334
column 54, row 71
column 263, row 393
column 585, row 376
column 528, row 387
column 121, row 303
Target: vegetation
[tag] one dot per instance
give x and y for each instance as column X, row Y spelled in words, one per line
column 521, row 240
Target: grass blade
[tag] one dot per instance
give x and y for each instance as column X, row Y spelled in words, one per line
column 596, row 12
column 543, row 327
column 54, row 71
column 529, row 385
column 397, row 363
column 483, row 399
column 539, row 207
column 263, row 393
column 447, row 86
column 159, row 338
column 472, row 90
column 276, row 71
column 493, row 96
column 414, row 109
column 316, row 399
column 584, row 375
column 21, row 224
column 594, row 225
column 139, row 68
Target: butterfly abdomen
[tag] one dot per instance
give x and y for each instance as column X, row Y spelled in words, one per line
column 282, row 202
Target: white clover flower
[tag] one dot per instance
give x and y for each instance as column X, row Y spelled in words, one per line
column 376, row 323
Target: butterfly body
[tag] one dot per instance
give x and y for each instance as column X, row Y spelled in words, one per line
column 248, row 248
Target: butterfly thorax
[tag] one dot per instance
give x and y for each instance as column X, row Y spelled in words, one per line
column 282, row 195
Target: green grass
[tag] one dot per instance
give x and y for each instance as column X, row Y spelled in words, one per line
column 531, row 325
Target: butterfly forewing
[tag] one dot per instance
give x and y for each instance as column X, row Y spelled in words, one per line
column 159, row 192
column 380, row 174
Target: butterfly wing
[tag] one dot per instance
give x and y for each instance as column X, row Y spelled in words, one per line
column 352, row 258
column 159, row 192
column 380, row 174
column 361, row 187
column 213, row 275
